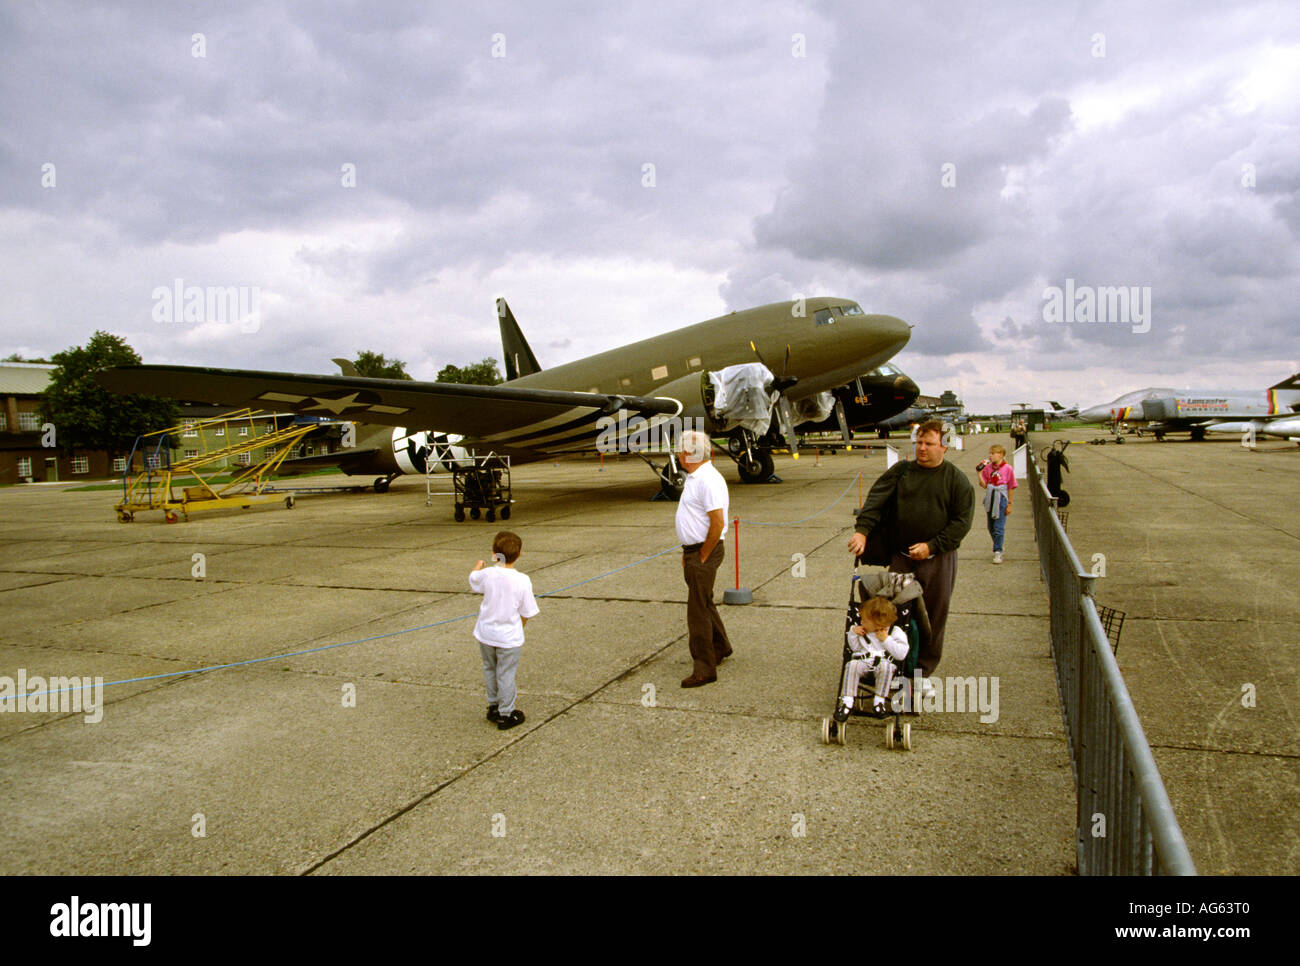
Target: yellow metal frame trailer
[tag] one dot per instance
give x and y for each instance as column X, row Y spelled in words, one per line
column 153, row 489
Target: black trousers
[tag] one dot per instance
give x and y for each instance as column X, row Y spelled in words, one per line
column 937, row 576
column 709, row 643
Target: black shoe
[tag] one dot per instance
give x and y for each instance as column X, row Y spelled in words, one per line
column 493, row 715
column 841, row 713
column 508, row 721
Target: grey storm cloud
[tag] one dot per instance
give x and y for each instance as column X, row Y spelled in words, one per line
column 773, row 148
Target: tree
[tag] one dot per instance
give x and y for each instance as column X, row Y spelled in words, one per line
column 18, row 357
column 374, row 365
column 483, row 373
column 86, row 415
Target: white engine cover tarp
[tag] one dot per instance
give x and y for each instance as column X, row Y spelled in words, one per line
column 814, row 409
column 740, row 397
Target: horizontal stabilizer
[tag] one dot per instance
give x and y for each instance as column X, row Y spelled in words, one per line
column 1291, row 382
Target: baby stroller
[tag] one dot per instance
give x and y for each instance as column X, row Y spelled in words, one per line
column 904, row 592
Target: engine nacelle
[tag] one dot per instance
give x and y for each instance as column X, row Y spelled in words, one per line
column 413, row 451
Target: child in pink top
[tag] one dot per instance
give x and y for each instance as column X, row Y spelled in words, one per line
column 997, row 480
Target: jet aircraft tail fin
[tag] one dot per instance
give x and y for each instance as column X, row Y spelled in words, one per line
column 1291, row 382
column 519, row 358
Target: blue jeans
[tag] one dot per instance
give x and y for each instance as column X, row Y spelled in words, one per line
column 998, row 527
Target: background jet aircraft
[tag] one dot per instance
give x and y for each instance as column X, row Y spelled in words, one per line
column 536, row 413
column 1197, row 410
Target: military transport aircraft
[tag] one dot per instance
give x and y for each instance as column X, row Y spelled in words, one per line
column 1198, row 410
column 874, row 396
column 656, row 382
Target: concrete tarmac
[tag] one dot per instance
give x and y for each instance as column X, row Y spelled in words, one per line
column 617, row 768
column 1201, row 548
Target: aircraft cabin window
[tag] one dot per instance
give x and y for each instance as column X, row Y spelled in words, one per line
column 694, row 362
column 823, row 317
column 659, row 372
column 625, row 381
column 853, row 310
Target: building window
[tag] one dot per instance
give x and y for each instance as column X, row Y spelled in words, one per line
column 119, row 464
column 220, row 431
column 29, row 422
column 24, row 466
column 191, row 430
column 4, row 421
column 81, row 464
column 242, row 459
column 191, row 454
column 153, row 461
column 243, row 430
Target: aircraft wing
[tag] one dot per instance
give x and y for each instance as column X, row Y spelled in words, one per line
column 442, row 406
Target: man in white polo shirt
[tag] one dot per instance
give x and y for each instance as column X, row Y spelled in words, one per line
column 701, row 526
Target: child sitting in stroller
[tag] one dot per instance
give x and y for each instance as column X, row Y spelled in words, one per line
column 876, row 644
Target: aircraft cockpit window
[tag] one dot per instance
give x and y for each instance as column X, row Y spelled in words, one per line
column 837, row 310
column 823, row 317
column 853, row 309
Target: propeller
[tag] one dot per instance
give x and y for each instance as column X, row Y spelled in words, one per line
column 782, row 382
column 779, row 385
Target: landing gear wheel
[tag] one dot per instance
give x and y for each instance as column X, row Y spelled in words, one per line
column 171, row 516
column 381, row 484
column 473, row 513
column 842, row 733
column 889, row 734
column 827, row 727
column 124, row 517
column 671, row 484
column 288, row 502
column 907, row 736
column 490, row 515
column 505, row 513
column 460, row 515
column 757, row 469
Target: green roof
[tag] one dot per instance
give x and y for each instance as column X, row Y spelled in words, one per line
column 24, row 378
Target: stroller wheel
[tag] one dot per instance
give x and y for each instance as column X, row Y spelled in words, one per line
column 827, row 725
column 889, row 733
column 907, row 736
column 842, row 733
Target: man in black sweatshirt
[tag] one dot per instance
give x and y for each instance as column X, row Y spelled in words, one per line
column 935, row 507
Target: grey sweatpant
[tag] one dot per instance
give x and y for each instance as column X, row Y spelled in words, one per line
column 499, row 664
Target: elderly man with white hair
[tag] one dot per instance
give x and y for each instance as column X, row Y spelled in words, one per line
column 701, row 527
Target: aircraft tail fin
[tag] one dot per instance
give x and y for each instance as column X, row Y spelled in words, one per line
column 1291, row 382
column 519, row 358
column 346, row 367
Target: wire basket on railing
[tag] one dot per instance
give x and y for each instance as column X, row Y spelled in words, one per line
column 1064, row 517
column 1113, row 621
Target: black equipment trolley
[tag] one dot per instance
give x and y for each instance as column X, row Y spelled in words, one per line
column 482, row 485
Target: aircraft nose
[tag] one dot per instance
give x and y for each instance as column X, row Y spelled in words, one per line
column 883, row 333
column 1094, row 414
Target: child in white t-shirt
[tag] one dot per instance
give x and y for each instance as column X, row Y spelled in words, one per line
column 876, row 644
column 507, row 604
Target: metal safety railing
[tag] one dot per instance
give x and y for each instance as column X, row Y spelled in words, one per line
column 1124, row 823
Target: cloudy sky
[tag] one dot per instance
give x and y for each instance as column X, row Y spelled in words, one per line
column 379, row 172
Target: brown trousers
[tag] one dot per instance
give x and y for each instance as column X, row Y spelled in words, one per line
column 709, row 643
